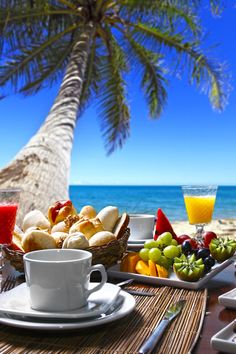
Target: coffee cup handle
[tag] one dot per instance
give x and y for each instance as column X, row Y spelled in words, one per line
column 101, row 269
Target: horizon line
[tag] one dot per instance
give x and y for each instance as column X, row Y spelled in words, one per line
column 147, row 185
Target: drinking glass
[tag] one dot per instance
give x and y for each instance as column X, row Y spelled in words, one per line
column 9, row 203
column 199, row 202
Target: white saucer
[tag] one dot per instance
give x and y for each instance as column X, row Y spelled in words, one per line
column 124, row 304
column 135, row 241
column 17, row 302
column 134, row 246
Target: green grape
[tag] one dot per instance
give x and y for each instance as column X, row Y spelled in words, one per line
column 165, row 239
column 150, row 244
column 165, row 262
column 160, row 244
column 154, row 254
column 171, row 251
column 174, row 242
column 180, row 249
column 143, row 254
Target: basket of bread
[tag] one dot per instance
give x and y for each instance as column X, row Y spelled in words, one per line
column 104, row 234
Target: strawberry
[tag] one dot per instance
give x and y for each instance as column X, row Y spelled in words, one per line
column 162, row 225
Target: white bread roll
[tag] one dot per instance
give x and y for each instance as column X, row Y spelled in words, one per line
column 59, row 237
column 108, row 217
column 18, row 233
column 101, row 238
column 87, row 227
column 60, row 227
column 76, row 240
column 37, row 240
column 35, row 218
column 88, row 211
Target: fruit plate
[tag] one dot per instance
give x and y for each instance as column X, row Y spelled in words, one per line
column 172, row 280
column 228, row 299
column 225, row 339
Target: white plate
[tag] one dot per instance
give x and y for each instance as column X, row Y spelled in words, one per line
column 135, row 241
column 228, row 299
column 225, row 340
column 17, row 302
column 124, row 304
column 172, row 280
column 134, row 246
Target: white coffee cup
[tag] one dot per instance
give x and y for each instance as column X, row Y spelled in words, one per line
column 141, row 226
column 58, row 279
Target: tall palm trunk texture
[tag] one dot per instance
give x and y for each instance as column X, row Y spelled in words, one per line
column 41, row 168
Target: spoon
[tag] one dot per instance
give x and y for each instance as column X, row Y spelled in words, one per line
column 134, row 292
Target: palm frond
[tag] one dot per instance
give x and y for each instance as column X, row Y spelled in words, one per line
column 153, row 81
column 206, row 73
column 164, row 13
column 92, row 76
column 29, row 61
column 51, row 71
column 114, row 110
column 68, row 4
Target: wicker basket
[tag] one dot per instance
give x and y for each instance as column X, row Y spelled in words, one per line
column 107, row 255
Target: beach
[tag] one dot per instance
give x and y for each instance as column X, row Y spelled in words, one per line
column 222, row 227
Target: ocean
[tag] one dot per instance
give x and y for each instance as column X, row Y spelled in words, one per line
column 147, row 199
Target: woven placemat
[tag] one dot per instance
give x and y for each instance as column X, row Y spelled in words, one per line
column 123, row 336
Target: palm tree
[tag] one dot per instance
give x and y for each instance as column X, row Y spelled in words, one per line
column 92, row 45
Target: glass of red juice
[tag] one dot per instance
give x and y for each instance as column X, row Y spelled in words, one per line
column 9, row 203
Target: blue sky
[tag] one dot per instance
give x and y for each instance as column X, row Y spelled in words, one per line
column 190, row 143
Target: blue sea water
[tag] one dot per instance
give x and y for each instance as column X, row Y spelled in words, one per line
column 147, row 199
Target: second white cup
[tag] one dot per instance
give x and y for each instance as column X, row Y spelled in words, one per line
column 141, row 226
column 58, row 280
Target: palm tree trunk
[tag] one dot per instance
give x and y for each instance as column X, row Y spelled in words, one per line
column 41, row 169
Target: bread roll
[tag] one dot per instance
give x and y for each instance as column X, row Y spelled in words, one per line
column 72, row 219
column 60, row 237
column 108, row 217
column 101, row 238
column 35, row 218
column 60, row 227
column 60, row 210
column 87, row 227
column 37, row 240
column 76, row 240
column 18, row 233
column 121, row 225
column 88, row 211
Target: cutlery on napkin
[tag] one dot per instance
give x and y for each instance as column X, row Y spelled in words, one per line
column 148, row 346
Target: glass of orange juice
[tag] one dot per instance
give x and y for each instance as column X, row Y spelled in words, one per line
column 199, row 202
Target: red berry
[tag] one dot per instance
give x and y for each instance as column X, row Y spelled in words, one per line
column 195, row 245
column 182, row 238
column 207, row 237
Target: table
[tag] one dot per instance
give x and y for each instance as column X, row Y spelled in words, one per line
column 217, row 316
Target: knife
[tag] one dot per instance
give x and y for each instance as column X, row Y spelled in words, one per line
column 173, row 311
